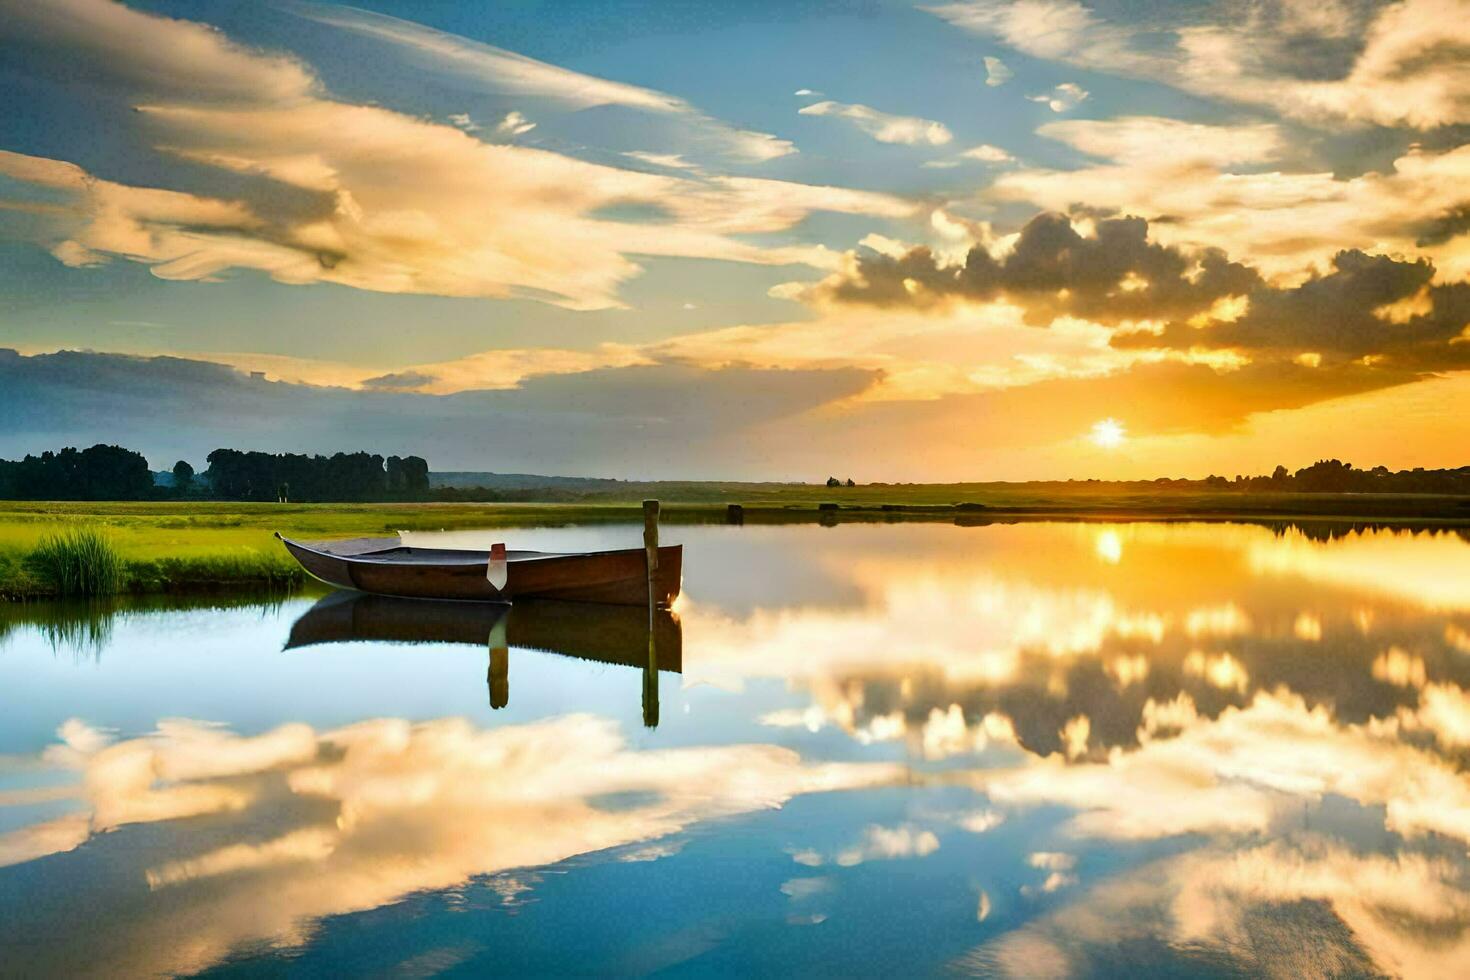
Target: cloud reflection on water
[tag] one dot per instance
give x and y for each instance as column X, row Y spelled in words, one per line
column 293, row 825
column 1220, row 691
column 1232, row 681
column 950, row 652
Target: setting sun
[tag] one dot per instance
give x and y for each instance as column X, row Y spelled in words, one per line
column 1108, row 433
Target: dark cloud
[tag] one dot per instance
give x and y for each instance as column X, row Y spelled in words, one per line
column 1445, row 226
column 654, row 420
column 1333, row 314
column 1054, row 270
column 399, row 380
column 1118, row 276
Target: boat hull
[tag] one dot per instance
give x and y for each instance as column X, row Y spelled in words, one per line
column 618, row 577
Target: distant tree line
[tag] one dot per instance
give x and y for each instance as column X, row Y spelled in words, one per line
column 1335, row 476
column 1323, row 476
column 236, row 475
column 525, row 495
column 99, row 473
column 114, row 473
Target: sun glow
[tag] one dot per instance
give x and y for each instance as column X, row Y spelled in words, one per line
column 1108, row 433
column 1109, row 546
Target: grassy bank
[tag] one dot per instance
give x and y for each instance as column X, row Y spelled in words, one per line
column 86, row 561
column 207, row 547
column 177, row 548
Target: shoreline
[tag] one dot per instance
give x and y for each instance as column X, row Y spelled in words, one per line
column 223, row 548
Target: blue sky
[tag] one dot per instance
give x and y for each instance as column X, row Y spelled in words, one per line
column 481, row 195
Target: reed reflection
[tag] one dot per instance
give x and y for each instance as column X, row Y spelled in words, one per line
column 83, row 628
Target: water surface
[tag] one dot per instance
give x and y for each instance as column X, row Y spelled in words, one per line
column 1025, row 749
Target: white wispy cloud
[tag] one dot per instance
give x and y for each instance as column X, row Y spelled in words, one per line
column 882, row 126
column 1063, row 97
column 757, row 146
column 1149, row 139
column 996, row 72
column 514, row 124
column 510, row 72
column 986, row 153
column 505, row 70
column 674, row 161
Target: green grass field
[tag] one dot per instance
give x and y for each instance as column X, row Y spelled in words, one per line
column 210, row 546
column 184, row 547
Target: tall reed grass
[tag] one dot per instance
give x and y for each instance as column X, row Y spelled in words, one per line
column 80, row 561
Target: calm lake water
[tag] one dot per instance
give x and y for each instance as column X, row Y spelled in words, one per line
column 1031, row 749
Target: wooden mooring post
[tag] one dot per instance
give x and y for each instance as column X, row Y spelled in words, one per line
column 650, row 551
column 650, row 672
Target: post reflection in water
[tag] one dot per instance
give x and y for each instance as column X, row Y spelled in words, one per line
column 498, row 676
column 650, row 683
column 1058, row 749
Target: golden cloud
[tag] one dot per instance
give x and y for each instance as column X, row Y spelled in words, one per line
column 378, row 200
column 1403, row 65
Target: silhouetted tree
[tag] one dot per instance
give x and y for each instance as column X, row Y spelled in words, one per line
column 1328, row 475
column 415, row 476
column 183, row 477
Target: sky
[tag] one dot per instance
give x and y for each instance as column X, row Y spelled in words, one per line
column 899, row 242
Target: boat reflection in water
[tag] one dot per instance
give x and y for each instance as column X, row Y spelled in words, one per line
column 621, row 635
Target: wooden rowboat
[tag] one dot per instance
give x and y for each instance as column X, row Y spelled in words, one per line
column 386, row 566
